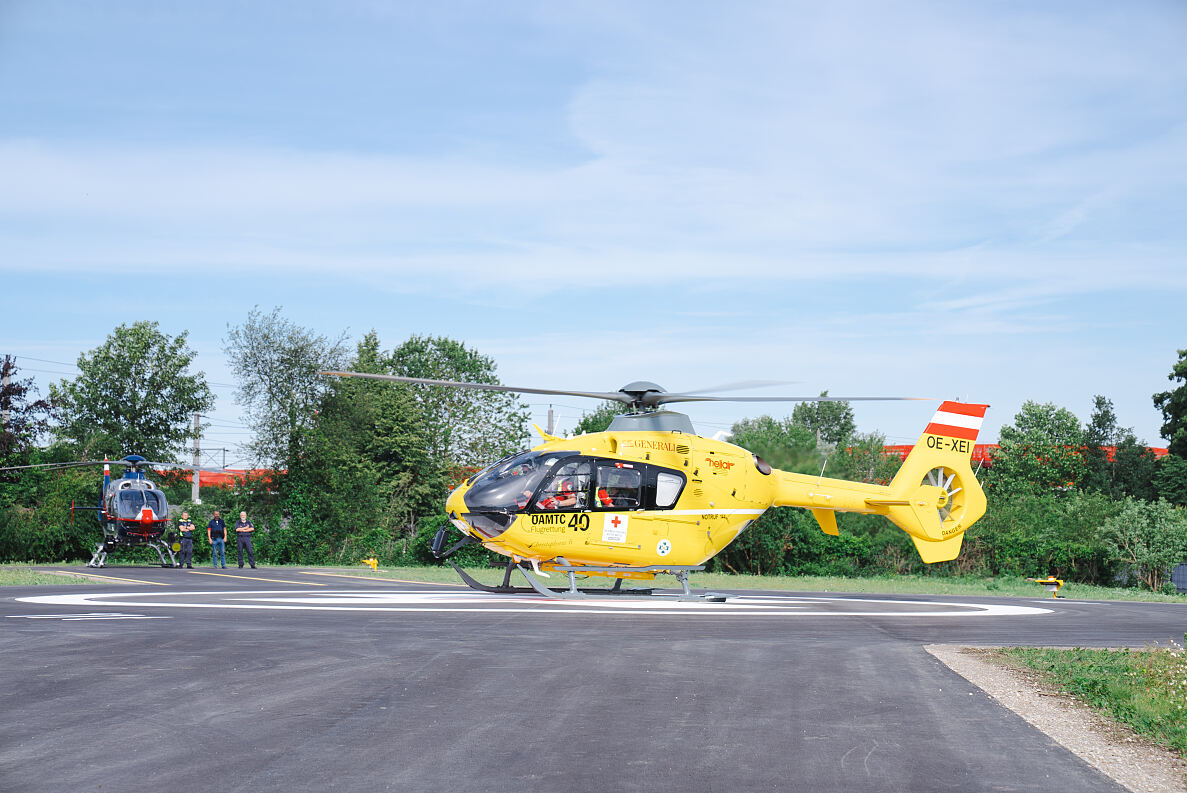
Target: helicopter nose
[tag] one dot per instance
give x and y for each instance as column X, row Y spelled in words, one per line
column 455, row 504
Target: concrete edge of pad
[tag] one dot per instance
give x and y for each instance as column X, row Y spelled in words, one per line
column 1109, row 747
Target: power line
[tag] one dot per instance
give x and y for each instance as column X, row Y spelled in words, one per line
column 44, row 360
column 43, row 371
column 585, row 409
column 75, row 367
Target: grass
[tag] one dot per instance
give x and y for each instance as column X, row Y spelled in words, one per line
column 1144, row 689
column 23, row 575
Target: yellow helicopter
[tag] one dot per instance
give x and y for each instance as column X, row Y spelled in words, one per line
column 648, row 495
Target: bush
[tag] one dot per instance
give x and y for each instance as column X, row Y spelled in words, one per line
column 1029, row 533
column 1148, row 539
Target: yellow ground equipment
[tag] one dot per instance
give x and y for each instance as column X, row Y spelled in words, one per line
column 1052, row 583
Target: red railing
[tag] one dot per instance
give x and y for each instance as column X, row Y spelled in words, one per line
column 983, row 452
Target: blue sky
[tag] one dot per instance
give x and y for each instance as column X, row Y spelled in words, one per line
column 981, row 201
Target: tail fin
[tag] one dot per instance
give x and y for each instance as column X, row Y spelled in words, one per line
column 935, row 497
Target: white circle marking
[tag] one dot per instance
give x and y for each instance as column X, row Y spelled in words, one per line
column 468, row 602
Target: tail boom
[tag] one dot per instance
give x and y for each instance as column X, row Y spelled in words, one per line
column 934, row 497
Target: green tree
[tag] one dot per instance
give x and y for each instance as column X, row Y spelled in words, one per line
column 1149, row 538
column 1041, row 450
column 1041, row 532
column 783, row 443
column 598, row 420
column 864, row 459
column 21, row 421
column 1100, row 433
column 1173, row 405
column 393, row 432
column 1073, row 544
column 1170, row 479
column 831, row 422
column 465, row 427
column 39, row 528
column 1129, row 470
column 1134, row 466
column 135, row 395
column 761, row 547
column 364, row 480
column 276, row 364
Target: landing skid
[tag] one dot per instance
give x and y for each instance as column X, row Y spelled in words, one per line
column 99, row 557
column 574, row 592
column 506, row 589
column 162, row 549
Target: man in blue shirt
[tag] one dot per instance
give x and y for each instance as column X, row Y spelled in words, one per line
column 216, row 532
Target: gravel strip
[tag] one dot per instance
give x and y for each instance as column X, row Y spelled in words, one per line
column 1107, row 746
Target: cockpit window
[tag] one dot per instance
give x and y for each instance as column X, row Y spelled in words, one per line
column 618, row 487
column 129, row 503
column 568, row 488
column 510, row 485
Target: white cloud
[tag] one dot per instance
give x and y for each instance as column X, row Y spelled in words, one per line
column 784, row 138
column 914, row 196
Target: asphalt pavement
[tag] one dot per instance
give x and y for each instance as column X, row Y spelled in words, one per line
column 294, row 680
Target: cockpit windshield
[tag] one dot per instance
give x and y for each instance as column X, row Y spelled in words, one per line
column 509, row 485
column 130, row 503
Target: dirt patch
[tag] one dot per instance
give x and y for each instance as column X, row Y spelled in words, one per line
column 1109, row 747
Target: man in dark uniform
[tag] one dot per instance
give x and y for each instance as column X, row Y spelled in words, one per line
column 186, row 527
column 243, row 530
column 216, row 532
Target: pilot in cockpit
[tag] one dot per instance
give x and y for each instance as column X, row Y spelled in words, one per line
column 563, row 497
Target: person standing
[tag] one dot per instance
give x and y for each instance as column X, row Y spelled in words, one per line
column 243, row 530
column 216, row 532
column 186, row 527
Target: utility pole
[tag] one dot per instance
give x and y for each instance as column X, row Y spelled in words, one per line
column 4, row 398
column 194, row 485
column 550, row 420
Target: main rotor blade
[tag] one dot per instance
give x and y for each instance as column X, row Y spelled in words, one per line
column 52, row 465
column 663, row 399
column 615, row 396
column 742, row 385
column 121, row 462
column 177, row 466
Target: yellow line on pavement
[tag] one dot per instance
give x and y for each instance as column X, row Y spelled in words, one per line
column 381, row 578
column 253, row 578
column 108, row 578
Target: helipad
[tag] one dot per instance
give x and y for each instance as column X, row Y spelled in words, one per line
column 474, row 602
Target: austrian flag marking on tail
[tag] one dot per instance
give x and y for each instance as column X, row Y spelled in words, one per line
column 957, row 420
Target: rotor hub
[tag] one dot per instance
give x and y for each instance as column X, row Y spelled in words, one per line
column 642, row 394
